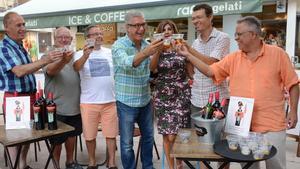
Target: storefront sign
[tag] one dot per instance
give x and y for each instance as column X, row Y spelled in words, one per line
column 151, row 13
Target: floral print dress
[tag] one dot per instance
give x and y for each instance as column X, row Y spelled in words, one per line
column 172, row 94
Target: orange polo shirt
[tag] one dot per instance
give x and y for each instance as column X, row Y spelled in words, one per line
column 264, row 80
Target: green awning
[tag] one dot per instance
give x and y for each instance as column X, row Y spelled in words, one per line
column 102, row 15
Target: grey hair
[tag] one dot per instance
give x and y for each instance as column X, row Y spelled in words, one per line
column 87, row 29
column 131, row 14
column 61, row 28
column 252, row 22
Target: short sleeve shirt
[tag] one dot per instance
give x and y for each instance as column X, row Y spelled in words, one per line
column 217, row 46
column 263, row 79
column 13, row 54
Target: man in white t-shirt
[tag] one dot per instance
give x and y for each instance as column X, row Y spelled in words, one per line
column 97, row 99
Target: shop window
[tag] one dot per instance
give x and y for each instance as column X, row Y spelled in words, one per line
column 44, row 41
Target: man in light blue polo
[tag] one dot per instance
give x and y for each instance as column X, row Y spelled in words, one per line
column 131, row 67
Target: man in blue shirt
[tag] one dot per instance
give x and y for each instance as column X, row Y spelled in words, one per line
column 131, row 67
column 16, row 70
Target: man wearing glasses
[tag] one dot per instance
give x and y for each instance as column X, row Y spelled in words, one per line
column 262, row 72
column 63, row 82
column 97, row 99
column 131, row 67
column 210, row 46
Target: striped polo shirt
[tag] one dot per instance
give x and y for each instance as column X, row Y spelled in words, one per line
column 131, row 83
column 11, row 55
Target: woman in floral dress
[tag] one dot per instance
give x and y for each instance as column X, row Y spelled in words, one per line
column 171, row 95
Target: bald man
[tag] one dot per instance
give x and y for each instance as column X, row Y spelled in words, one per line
column 64, row 83
column 17, row 70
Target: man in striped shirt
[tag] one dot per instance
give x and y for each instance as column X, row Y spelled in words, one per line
column 131, row 67
column 16, row 70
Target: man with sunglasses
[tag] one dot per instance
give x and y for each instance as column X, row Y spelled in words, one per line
column 131, row 67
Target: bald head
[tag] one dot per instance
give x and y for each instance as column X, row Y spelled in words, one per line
column 14, row 26
column 8, row 17
column 62, row 37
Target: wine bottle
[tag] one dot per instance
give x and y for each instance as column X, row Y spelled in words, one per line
column 37, row 107
column 217, row 103
column 43, row 103
column 220, row 113
column 51, row 112
column 208, row 108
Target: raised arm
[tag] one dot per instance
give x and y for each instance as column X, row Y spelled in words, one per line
column 78, row 64
column 22, row 70
column 55, row 67
column 145, row 53
column 198, row 63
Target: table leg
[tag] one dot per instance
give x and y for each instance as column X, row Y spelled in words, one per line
column 189, row 164
column 248, row 165
column 224, row 165
column 10, row 164
column 207, row 165
column 50, row 149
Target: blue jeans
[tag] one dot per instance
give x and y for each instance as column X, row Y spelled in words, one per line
column 144, row 118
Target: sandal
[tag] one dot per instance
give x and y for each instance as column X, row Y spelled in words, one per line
column 113, row 167
column 28, row 167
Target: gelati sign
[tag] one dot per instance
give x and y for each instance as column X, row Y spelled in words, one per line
column 151, row 13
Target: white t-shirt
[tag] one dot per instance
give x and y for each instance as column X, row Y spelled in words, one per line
column 96, row 77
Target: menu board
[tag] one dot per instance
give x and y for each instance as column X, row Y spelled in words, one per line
column 17, row 112
column 239, row 115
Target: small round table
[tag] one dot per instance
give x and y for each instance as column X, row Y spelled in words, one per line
column 223, row 150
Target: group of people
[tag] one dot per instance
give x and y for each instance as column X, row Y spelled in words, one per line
column 97, row 84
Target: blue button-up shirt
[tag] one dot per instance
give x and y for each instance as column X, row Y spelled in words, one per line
column 131, row 83
column 11, row 55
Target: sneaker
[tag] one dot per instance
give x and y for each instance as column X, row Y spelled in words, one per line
column 73, row 165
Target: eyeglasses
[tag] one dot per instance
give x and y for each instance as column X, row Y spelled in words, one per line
column 238, row 34
column 64, row 37
column 96, row 34
column 138, row 25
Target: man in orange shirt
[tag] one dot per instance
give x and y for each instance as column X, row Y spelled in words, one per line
column 262, row 72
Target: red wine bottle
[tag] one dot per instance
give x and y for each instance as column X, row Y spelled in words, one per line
column 208, row 108
column 38, row 119
column 51, row 112
column 217, row 103
column 43, row 103
column 220, row 112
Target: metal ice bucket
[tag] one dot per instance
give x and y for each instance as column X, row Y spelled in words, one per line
column 208, row 130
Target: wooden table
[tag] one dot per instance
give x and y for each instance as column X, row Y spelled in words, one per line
column 20, row 137
column 195, row 151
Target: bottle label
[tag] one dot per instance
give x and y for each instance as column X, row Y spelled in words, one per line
column 36, row 108
column 50, row 117
column 36, row 117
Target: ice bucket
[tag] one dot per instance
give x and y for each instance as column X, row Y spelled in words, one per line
column 208, row 130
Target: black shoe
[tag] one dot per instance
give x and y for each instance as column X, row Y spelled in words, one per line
column 28, row 167
column 73, row 165
column 92, row 167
